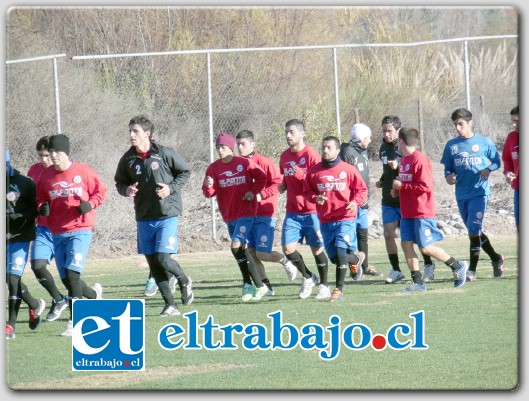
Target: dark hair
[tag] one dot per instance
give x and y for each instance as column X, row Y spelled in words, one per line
column 298, row 123
column 245, row 134
column 515, row 111
column 145, row 123
column 394, row 120
column 410, row 136
column 331, row 138
column 43, row 143
column 462, row 113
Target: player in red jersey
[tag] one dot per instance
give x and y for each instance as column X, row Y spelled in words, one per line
column 510, row 157
column 67, row 194
column 261, row 239
column 414, row 185
column 338, row 190
column 301, row 221
column 236, row 182
column 42, row 246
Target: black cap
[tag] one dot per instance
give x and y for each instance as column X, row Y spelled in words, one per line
column 60, row 142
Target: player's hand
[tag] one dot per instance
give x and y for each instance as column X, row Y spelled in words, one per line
column 394, row 193
column 132, row 189
column 162, row 190
column 282, row 187
column 450, row 179
column 321, row 198
column 208, row 182
column 393, row 164
column 84, row 207
column 510, row 177
column 352, row 206
column 248, row 196
column 258, row 197
column 44, row 209
column 397, row 184
column 484, row 174
column 378, row 184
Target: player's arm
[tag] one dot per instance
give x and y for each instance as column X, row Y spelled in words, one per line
column 311, row 192
column 358, row 189
column 258, row 176
column 97, row 190
column 122, row 180
column 448, row 165
column 208, row 184
column 494, row 161
column 506, row 156
column 273, row 179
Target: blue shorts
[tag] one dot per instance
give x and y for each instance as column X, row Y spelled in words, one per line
column 340, row 234
column 42, row 245
column 390, row 214
column 297, row 227
column 240, row 229
column 472, row 212
column 516, row 207
column 16, row 257
column 423, row 232
column 158, row 236
column 261, row 236
column 71, row 250
column 361, row 219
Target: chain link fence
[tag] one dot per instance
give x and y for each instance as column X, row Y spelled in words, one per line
column 194, row 95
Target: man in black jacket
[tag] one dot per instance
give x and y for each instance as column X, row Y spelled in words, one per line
column 154, row 176
column 21, row 212
column 390, row 157
column 355, row 153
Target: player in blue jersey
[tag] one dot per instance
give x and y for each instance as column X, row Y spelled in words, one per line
column 468, row 161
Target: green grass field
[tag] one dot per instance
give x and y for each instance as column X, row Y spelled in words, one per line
column 472, row 332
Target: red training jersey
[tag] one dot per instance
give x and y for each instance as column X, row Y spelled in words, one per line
column 268, row 204
column 64, row 190
column 341, row 184
column 294, row 167
column 510, row 156
column 34, row 173
column 416, row 194
column 231, row 181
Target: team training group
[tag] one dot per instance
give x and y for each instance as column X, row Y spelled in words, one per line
column 50, row 212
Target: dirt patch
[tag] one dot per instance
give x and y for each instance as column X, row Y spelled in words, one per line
column 120, row 380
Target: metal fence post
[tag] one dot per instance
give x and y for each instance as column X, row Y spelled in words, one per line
column 467, row 75
column 56, row 90
column 336, row 93
column 211, row 141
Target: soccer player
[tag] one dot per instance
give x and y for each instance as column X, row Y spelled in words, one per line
column 236, row 181
column 390, row 157
column 67, row 194
column 414, row 185
column 354, row 152
column 301, row 221
column 42, row 246
column 510, row 160
column 154, row 175
column 338, row 190
column 21, row 211
column 468, row 161
column 261, row 237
